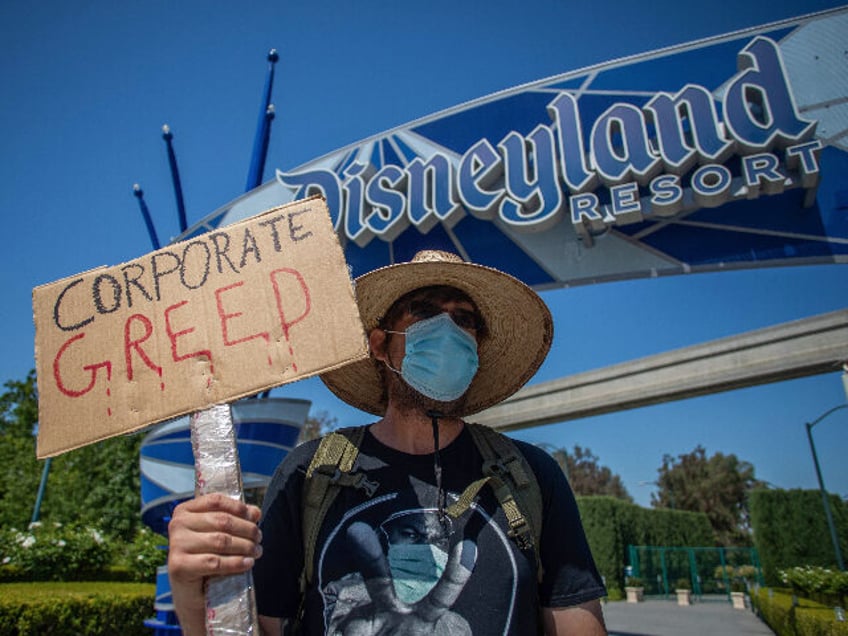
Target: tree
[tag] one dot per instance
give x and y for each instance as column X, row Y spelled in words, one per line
column 586, row 476
column 98, row 485
column 19, row 407
column 19, row 470
column 316, row 426
column 717, row 486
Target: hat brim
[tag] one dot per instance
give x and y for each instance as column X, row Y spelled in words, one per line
column 520, row 330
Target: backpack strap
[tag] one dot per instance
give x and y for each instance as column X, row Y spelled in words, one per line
column 514, row 483
column 331, row 469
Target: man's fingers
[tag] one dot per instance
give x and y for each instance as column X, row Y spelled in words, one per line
column 214, row 542
column 192, row 567
column 217, row 523
column 216, row 514
column 458, row 570
column 222, row 503
column 212, row 535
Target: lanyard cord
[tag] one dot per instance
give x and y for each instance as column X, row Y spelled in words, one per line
column 437, row 466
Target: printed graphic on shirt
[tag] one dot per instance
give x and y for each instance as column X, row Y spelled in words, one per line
column 391, row 566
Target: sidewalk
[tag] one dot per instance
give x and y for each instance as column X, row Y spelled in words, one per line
column 666, row 618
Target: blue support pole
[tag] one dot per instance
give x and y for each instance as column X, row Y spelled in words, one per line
column 260, row 142
column 151, row 229
column 36, row 511
column 263, row 128
column 168, row 136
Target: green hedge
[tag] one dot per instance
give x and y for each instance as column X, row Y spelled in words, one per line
column 822, row 585
column 56, row 552
column 806, row 619
column 71, row 609
column 612, row 524
column 790, row 529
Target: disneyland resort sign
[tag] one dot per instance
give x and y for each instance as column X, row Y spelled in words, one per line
column 674, row 154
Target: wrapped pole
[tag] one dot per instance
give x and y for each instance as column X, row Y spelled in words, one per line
column 230, row 601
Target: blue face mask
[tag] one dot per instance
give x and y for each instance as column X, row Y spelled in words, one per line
column 440, row 359
column 416, row 569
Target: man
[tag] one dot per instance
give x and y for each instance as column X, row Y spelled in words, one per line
column 447, row 339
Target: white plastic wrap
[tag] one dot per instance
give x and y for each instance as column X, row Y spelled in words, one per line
column 230, row 601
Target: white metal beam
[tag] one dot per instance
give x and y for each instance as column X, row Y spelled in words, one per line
column 790, row 350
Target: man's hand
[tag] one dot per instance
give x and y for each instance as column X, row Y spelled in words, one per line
column 388, row 614
column 212, row 535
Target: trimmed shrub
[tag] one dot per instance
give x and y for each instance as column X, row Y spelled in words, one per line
column 70, row 609
column 140, row 558
column 808, row 618
column 612, row 525
column 790, row 529
column 53, row 552
column 829, row 587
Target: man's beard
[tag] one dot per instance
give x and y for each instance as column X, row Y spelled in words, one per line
column 408, row 400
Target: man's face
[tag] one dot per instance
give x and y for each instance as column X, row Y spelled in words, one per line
column 401, row 395
column 422, row 527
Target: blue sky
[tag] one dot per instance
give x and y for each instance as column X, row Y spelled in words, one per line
column 88, row 85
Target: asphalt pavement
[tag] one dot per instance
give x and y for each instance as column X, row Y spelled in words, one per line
column 667, row 618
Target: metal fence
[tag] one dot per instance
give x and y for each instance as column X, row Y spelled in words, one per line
column 708, row 572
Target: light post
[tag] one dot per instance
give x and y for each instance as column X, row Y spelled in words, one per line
column 825, row 500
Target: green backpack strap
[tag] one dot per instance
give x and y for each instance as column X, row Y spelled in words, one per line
column 515, row 486
column 330, row 470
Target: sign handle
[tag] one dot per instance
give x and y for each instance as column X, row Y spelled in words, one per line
column 230, row 600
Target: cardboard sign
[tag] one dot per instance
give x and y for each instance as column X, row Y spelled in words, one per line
column 217, row 317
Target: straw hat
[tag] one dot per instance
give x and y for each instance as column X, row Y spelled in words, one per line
column 519, row 324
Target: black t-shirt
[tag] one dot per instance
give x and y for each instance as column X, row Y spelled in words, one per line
column 391, row 564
